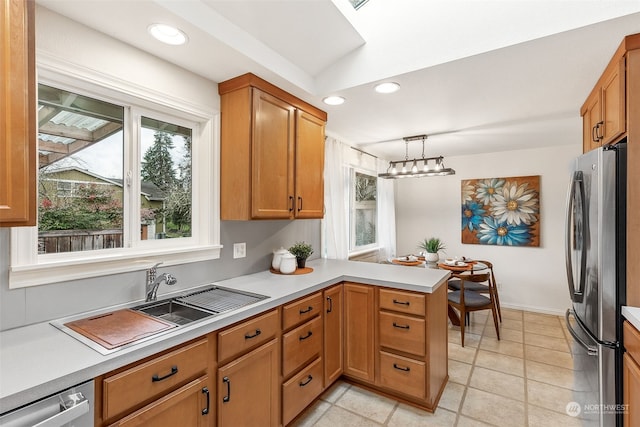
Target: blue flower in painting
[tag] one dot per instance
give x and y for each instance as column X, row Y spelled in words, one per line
column 472, row 214
column 494, row 232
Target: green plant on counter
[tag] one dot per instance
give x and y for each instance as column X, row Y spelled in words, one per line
column 432, row 245
column 301, row 250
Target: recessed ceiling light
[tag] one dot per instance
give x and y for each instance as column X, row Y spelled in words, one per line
column 333, row 100
column 387, row 87
column 167, row 34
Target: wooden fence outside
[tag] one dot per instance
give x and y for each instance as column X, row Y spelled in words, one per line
column 50, row 242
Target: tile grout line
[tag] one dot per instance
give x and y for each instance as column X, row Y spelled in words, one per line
column 473, row 365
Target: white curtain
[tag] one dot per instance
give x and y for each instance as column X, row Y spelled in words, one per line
column 335, row 225
column 339, row 158
column 386, row 215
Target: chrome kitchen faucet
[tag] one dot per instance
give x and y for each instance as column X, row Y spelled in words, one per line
column 153, row 282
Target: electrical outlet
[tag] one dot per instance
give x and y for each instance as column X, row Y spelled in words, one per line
column 239, row 250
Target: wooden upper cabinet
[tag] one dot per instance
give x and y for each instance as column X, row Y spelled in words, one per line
column 613, row 103
column 271, row 152
column 271, row 157
column 18, row 197
column 309, row 172
column 591, row 122
column 604, row 112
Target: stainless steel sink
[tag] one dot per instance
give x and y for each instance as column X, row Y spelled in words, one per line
column 174, row 312
column 180, row 310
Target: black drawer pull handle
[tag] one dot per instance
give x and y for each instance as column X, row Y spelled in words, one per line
column 330, row 309
column 291, row 203
column 205, row 411
column 309, row 378
column 155, row 378
column 227, row 381
column 395, row 301
column 395, row 325
column 306, row 336
column 308, row 309
column 400, row 368
column 248, row 337
column 299, row 203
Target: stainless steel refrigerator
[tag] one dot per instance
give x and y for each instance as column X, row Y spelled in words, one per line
column 595, row 259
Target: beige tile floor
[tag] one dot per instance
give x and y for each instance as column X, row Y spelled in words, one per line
column 524, row 379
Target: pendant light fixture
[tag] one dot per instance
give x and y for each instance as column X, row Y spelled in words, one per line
column 431, row 166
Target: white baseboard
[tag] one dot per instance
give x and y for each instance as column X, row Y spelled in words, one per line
column 534, row 309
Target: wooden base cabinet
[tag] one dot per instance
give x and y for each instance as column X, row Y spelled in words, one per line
column 359, row 331
column 248, row 391
column 631, row 375
column 172, row 388
column 333, row 334
column 190, row 405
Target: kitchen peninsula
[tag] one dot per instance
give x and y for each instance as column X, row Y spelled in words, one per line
column 393, row 321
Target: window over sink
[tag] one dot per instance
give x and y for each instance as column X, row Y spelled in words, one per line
column 125, row 180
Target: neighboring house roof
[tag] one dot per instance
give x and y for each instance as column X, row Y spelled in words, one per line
column 147, row 189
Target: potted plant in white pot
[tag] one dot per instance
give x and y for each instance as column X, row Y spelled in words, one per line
column 432, row 246
column 301, row 250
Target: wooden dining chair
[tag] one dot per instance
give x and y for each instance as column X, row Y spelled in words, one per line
column 466, row 301
column 454, row 285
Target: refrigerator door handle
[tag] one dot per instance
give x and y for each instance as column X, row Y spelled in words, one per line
column 591, row 349
column 575, row 235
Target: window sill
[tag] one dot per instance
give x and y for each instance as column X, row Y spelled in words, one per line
column 61, row 271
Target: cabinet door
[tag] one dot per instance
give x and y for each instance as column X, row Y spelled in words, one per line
column 631, row 393
column 249, row 389
column 17, row 114
column 333, row 338
column 187, row 406
column 309, row 172
column 359, row 331
column 590, row 122
column 272, row 157
column 613, row 104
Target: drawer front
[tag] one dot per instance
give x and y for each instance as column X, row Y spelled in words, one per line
column 403, row 333
column 300, row 311
column 403, row 374
column 403, row 302
column 301, row 390
column 152, row 379
column 301, row 345
column 632, row 341
column 239, row 339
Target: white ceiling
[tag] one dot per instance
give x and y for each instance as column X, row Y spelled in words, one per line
column 476, row 76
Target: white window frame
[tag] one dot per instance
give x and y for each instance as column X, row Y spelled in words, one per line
column 356, row 250
column 30, row 269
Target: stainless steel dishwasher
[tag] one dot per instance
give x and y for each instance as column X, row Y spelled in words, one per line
column 70, row 408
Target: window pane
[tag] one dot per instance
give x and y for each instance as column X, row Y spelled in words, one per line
column 365, row 209
column 165, row 210
column 80, row 150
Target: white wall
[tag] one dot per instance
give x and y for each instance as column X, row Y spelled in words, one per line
column 528, row 278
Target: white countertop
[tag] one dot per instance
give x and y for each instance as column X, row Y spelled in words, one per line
column 40, row 360
column 632, row 314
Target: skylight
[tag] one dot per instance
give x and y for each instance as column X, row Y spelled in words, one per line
column 357, row 4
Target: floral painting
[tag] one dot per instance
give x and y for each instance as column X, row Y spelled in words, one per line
column 501, row 211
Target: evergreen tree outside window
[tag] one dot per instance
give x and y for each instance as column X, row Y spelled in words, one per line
column 166, row 163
